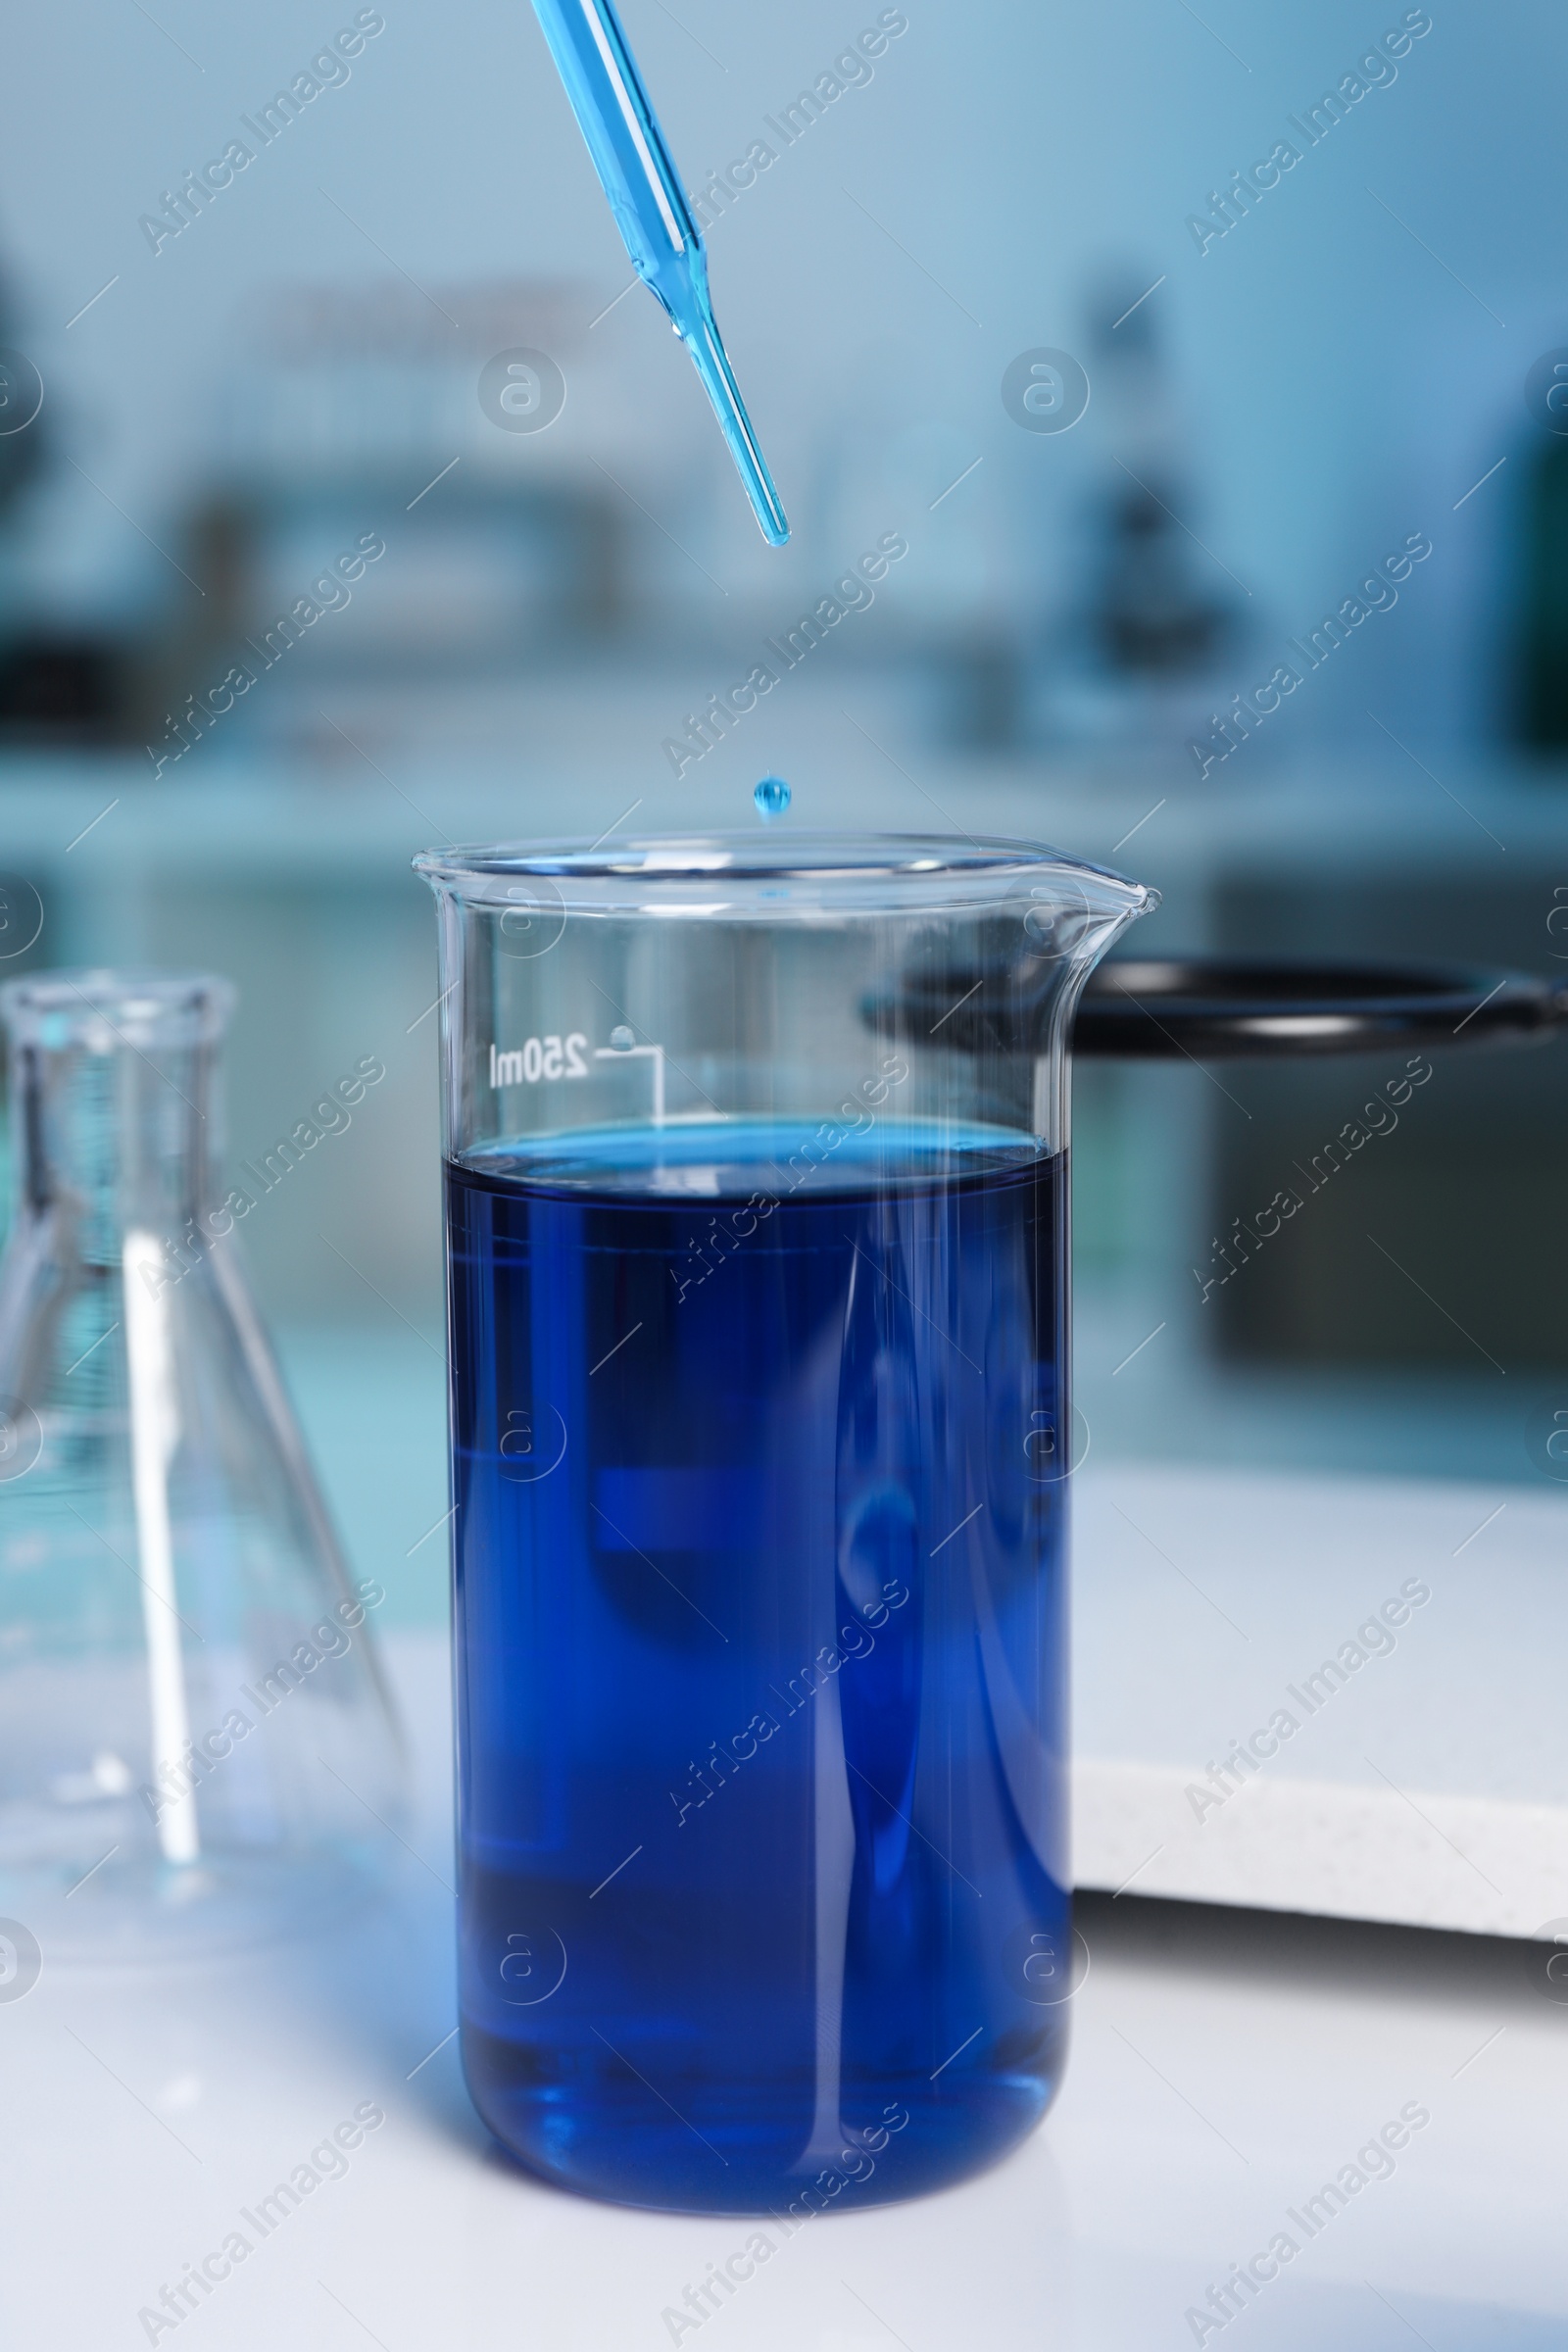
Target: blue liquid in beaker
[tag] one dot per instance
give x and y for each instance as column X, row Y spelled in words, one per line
column 760, row 1546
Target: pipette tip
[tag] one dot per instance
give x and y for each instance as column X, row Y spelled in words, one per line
column 703, row 340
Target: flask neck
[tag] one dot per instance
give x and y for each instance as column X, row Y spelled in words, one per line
column 115, row 1103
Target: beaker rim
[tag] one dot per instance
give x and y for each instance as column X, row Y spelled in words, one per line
column 772, row 875
column 123, row 1005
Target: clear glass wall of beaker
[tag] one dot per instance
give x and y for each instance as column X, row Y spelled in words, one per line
column 757, row 1265
column 195, row 1745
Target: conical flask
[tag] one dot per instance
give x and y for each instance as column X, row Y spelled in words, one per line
column 196, row 1745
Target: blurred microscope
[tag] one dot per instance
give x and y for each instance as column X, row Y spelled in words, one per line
column 1135, row 652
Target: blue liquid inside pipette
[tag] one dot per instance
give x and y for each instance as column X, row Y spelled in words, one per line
column 651, row 209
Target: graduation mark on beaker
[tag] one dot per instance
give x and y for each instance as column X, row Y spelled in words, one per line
column 616, row 1052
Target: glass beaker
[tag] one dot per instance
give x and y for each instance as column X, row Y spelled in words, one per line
column 757, row 1280
column 195, row 1744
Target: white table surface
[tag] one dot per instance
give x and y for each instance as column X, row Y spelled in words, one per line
column 1225, row 2064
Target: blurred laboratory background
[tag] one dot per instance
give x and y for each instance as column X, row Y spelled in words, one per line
column 1137, row 361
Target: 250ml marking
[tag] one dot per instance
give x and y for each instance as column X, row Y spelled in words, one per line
column 540, row 1057
column 562, row 1058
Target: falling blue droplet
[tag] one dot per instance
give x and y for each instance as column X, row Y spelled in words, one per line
column 772, row 795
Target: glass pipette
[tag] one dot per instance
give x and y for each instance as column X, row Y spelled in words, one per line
column 651, row 209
